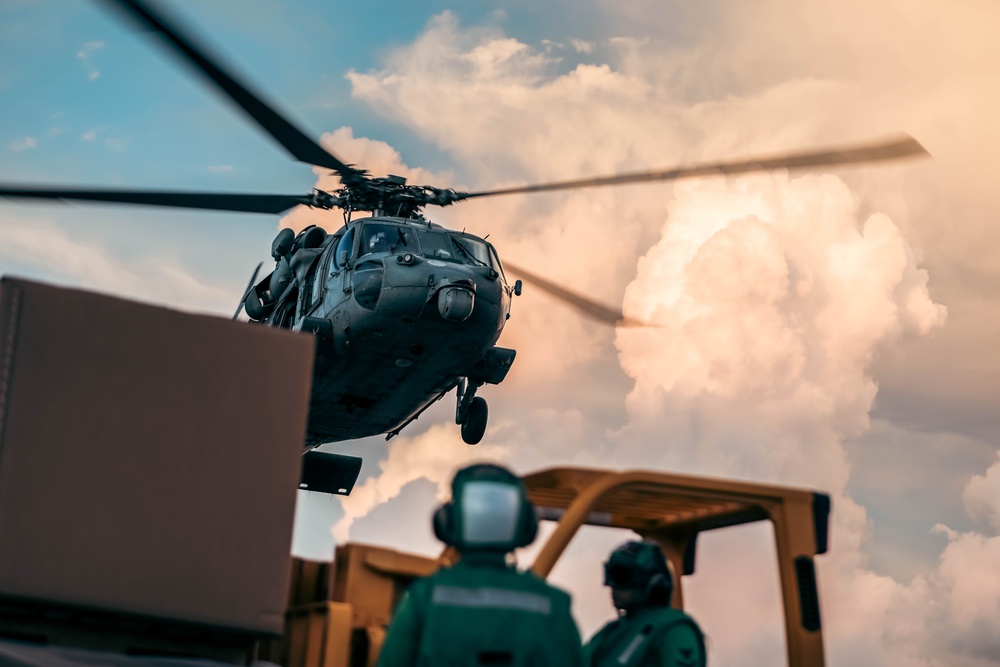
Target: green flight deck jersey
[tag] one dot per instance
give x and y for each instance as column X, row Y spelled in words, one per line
column 482, row 612
column 651, row 637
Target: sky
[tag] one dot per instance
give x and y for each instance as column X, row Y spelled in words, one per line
column 834, row 329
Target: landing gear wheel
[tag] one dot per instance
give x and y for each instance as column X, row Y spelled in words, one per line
column 474, row 426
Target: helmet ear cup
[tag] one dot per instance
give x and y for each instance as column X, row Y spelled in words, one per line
column 659, row 589
column 529, row 525
column 444, row 524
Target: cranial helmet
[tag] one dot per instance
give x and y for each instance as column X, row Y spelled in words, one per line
column 379, row 241
column 489, row 511
column 640, row 565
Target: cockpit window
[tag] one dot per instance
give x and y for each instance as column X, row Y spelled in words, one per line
column 496, row 260
column 344, row 251
column 458, row 248
column 382, row 237
column 437, row 245
column 473, row 249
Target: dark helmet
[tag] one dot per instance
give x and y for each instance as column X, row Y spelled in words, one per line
column 640, row 565
column 489, row 510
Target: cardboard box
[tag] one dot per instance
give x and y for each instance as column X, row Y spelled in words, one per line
column 149, row 459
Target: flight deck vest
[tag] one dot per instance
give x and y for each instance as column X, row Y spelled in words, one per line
column 472, row 616
column 637, row 641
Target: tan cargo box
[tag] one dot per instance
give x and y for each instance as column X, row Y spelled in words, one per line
column 149, row 459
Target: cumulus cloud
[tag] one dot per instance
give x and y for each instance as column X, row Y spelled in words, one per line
column 982, row 496
column 499, row 98
column 948, row 615
column 775, row 294
column 377, row 157
column 772, row 300
column 966, row 587
column 30, row 247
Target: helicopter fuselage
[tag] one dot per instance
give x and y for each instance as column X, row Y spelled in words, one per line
column 403, row 311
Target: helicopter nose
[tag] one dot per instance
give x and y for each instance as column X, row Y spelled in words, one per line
column 456, row 301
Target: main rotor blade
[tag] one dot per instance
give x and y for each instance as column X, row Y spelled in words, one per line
column 890, row 149
column 247, row 203
column 592, row 309
column 197, row 56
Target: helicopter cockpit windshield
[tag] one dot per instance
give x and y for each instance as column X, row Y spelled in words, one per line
column 382, row 237
column 437, row 245
column 457, row 248
column 378, row 237
column 473, row 249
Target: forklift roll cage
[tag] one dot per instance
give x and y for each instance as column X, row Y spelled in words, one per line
column 338, row 618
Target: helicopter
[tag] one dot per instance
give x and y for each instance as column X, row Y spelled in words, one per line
column 403, row 310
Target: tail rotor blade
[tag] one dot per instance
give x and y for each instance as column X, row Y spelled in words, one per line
column 585, row 305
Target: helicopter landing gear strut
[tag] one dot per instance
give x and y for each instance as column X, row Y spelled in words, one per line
column 472, row 412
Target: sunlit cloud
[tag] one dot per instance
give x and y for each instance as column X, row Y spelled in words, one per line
column 36, row 247
column 377, row 157
column 775, row 295
column 982, row 496
column 773, row 300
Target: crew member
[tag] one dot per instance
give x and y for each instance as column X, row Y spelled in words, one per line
column 648, row 631
column 482, row 610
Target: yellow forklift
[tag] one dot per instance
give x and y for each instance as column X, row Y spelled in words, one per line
column 338, row 615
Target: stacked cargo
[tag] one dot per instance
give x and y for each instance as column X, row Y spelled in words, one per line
column 149, row 461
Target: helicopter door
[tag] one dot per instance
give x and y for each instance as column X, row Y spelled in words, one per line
column 316, row 282
column 336, row 279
